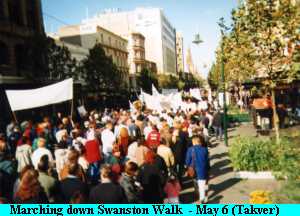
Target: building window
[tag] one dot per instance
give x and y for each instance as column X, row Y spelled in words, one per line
column 31, row 13
column 15, row 13
column 20, row 55
column 109, row 41
column 2, row 17
column 4, row 54
column 102, row 38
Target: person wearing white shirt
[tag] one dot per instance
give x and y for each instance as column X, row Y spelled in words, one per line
column 39, row 152
column 108, row 139
column 148, row 129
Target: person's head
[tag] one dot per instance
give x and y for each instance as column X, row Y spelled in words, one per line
column 163, row 141
column 73, row 156
column 109, row 125
column 41, row 143
column 72, row 168
column 43, row 165
column 78, row 198
column 140, row 140
column 65, row 121
column 106, row 172
column 198, row 140
column 131, row 168
column 29, row 185
column 2, row 146
column 172, row 178
column 25, row 169
column 25, row 140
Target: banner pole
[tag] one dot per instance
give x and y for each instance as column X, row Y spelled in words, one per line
column 15, row 117
column 72, row 108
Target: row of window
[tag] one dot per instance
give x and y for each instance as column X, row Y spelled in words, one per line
column 118, row 44
column 15, row 14
column 20, row 52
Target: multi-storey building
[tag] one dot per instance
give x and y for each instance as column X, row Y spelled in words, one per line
column 87, row 36
column 179, row 52
column 160, row 45
column 19, row 21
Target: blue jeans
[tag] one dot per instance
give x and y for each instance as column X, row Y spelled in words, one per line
column 218, row 132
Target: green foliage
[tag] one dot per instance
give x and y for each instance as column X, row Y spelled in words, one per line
column 100, row 73
column 167, row 81
column 255, row 154
column 257, row 41
column 145, row 80
column 45, row 59
column 60, row 62
column 251, row 154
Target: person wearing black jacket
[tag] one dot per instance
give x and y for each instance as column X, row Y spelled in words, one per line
column 152, row 180
column 72, row 185
column 107, row 192
column 179, row 148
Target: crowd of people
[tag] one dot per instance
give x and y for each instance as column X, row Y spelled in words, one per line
column 113, row 156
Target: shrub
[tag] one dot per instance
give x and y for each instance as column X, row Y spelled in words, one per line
column 251, row 154
column 255, row 154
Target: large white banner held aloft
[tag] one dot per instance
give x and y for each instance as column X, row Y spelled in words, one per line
column 52, row 94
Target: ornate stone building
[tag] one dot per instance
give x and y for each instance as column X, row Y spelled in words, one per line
column 19, row 19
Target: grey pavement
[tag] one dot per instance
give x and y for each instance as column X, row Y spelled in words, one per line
column 223, row 186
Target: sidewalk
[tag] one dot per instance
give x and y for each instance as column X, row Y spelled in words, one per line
column 223, row 186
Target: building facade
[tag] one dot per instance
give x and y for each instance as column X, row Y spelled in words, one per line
column 87, row 36
column 160, row 37
column 19, row 20
column 179, row 52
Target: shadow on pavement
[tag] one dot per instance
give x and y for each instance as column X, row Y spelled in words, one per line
column 218, row 188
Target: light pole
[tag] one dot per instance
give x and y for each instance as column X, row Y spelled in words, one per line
column 222, row 27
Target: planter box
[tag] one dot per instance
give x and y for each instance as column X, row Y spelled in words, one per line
column 254, row 175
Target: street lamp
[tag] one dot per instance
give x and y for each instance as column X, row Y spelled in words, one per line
column 223, row 27
column 197, row 39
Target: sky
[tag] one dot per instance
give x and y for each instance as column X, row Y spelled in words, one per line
column 187, row 16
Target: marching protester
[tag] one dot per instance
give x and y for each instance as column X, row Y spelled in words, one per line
column 198, row 159
column 115, row 156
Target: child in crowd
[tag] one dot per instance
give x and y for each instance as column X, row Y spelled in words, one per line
column 172, row 190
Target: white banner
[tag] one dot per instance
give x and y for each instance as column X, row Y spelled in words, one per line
column 155, row 91
column 167, row 92
column 196, row 93
column 52, row 94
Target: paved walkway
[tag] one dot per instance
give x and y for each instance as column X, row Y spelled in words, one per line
column 223, row 186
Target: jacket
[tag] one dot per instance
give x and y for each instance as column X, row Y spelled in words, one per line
column 23, row 156
column 197, row 156
column 108, row 193
column 166, row 153
column 132, row 191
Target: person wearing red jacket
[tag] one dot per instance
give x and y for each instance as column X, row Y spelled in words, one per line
column 93, row 157
column 153, row 138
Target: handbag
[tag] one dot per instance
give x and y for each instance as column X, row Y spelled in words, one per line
column 191, row 169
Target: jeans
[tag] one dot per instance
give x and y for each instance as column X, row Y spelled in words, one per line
column 218, row 132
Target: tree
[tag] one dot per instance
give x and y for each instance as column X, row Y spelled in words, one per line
column 145, row 80
column 46, row 60
column 61, row 65
column 256, row 46
column 100, row 73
